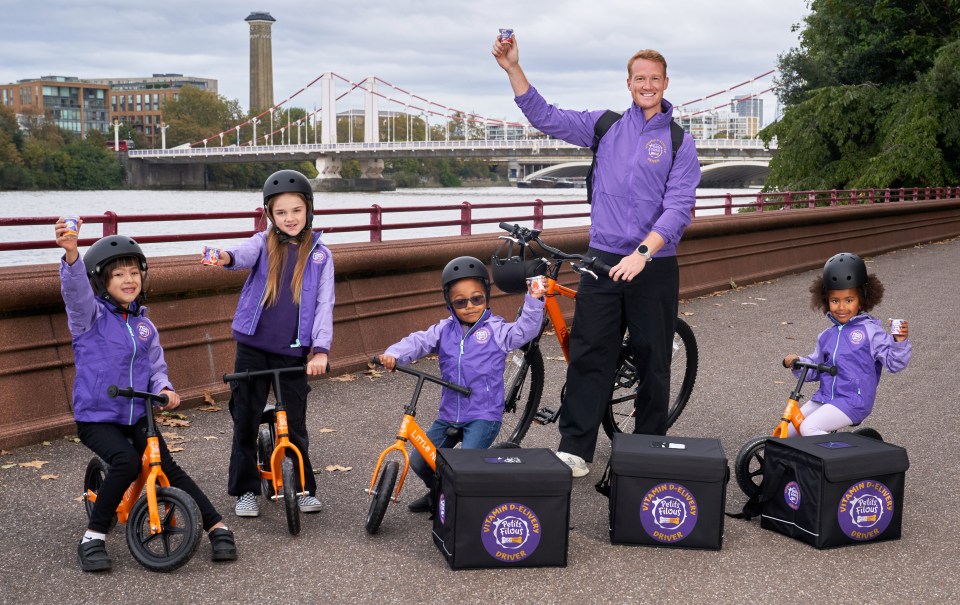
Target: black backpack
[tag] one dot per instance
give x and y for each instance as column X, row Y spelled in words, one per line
column 603, row 125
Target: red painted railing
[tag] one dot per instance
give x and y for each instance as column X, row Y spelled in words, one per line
column 535, row 212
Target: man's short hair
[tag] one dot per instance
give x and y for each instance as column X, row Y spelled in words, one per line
column 649, row 55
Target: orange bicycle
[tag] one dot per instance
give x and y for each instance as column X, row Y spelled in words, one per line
column 275, row 452
column 750, row 458
column 163, row 524
column 381, row 490
column 524, row 374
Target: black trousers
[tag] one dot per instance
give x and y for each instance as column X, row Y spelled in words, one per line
column 247, row 400
column 648, row 306
column 112, row 442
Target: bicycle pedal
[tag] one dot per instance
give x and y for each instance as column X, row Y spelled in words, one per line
column 546, row 416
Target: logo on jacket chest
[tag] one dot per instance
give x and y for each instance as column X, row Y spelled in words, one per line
column 143, row 330
column 857, row 336
column 482, row 336
column 655, row 148
column 319, row 256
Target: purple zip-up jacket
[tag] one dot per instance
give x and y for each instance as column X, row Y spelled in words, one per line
column 109, row 349
column 316, row 296
column 635, row 190
column 473, row 358
column 860, row 349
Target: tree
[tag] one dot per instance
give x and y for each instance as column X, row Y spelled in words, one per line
column 870, row 97
column 199, row 114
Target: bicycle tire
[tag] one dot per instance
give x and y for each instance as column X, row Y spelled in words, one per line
column 380, row 497
column 291, row 504
column 265, row 446
column 93, row 478
column 685, row 356
column 181, row 529
column 869, row 432
column 522, row 390
column 748, row 467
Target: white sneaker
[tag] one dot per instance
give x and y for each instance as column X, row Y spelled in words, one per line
column 577, row 464
column 309, row 504
column 247, row 505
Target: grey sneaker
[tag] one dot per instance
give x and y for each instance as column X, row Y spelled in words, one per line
column 577, row 464
column 309, row 504
column 247, row 505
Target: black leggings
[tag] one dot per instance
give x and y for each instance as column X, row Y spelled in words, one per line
column 112, row 442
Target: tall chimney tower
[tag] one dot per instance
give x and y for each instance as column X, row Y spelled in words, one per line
column 261, row 61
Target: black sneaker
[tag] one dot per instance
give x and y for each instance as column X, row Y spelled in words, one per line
column 423, row 504
column 223, row 545
column 93, row 556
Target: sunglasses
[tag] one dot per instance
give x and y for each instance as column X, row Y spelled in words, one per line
column 475, row 300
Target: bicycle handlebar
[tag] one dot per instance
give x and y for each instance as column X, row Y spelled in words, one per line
column 248, row 374
column 408, row 370
column 525, row 237
column 129, row 392
column 820, row 367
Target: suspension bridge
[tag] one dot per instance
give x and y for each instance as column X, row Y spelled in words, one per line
column 416, row 127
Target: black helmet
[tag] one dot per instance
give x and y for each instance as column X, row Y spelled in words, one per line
column 463, row 267
column 288, row 181
column 844, row 270
column 105, row 250
column 510, row 271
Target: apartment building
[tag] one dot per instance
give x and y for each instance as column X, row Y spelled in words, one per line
column 74, row 105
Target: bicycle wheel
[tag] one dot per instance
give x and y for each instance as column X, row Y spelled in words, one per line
column 265, row 447
column 92, row 480
column 869, row 432
column 684, row 362
column 180, row 530
column 749, row 465
column 522, row 389
column 381, row 494
column 290, row 502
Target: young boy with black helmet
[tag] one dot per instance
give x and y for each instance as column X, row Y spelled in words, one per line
column 472, row 345
column 103, row 296
column 855, row 343
column 284, row 318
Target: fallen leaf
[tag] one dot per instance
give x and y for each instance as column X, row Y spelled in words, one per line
column 786, row 323
column 432, row 357
column 80, row 499
column 344, row 378
column 34, row 464
column 326, row 430
column 208, row 397
column 758, row 298
column 174, row 422
column 373, row 374
column 49, row 477
column 174, row 437
column 4, row 453
column 175, row 449
column 210, row 408
column 45, row 443
column 176, row 415
column 717, row 304
column 209, row 437
column 72, row 438
column 336, row 467
column 555, row 358
column 686, row 313
column 733, row 284
column 750, row 303
column 550, row 332
column 777, row 382
column 6, row 466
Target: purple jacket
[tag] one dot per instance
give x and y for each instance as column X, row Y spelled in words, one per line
column 473, row 359
column 107, row 350
column 635, row 191
column 317, row 295
column 860, row 349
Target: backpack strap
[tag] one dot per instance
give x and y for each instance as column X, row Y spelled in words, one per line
column 608, row 119
column 768, row 486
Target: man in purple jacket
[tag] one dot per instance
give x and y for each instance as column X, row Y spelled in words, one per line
column 642, row 203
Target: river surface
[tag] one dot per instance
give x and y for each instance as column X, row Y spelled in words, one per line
column 51, row 204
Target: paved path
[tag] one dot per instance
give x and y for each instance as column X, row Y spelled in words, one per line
column 741, row 388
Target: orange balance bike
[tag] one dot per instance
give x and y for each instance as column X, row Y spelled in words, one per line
column 163, row 524
column 524, row 373
column 750, row 459
column 278, row 460
column 381, row 490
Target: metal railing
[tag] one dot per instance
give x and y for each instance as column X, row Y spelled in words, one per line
column 467, row 215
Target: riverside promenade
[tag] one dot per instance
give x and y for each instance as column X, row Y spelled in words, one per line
column 742, row 334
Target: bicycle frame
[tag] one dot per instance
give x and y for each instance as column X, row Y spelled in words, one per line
column 282, row 444
column 413, row 433
column 791, row 413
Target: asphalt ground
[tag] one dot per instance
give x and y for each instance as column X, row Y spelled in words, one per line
column 741, row 388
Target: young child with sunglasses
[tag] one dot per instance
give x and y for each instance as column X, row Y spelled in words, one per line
column 472, row 345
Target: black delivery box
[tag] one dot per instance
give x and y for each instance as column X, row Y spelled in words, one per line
column 667, row 491
column 834, row 490
column 502, row 507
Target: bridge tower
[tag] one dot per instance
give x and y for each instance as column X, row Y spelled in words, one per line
column 261, row 61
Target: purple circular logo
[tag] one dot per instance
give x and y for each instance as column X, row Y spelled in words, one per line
column 668, row 513
column 655, row 149
column 143, row 330
column 510, row 532
column 865, row 510
column 319, row 256
column 442, row 509
column 482, row 335
column 791, row 494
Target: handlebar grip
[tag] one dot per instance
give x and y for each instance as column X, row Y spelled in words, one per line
column 829, row 369
column 375, row 360
column 237, row 376
column 456, row 387
column 601, row 266
column 115, row 391
column 161, row 399
column 508, row 227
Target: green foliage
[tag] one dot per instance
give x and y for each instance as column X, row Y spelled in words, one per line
column 870, row 97
column 199, row 114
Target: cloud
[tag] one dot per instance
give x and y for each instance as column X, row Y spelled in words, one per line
column 573, row 51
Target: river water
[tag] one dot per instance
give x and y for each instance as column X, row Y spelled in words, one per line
column 134, row 202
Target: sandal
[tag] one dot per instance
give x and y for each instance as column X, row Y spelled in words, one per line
column 224, row 546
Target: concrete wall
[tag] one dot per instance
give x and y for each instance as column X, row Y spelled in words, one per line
column 139, row 174
column 384, row 291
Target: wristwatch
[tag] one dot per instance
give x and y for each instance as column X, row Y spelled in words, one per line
column 644, row 251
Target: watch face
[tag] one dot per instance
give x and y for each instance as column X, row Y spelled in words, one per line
column 643, row 249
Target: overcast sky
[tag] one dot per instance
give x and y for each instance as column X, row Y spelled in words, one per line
column 573, row 51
